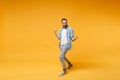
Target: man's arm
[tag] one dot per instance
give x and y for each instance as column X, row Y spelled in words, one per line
column 72, row 35
column 55, row 31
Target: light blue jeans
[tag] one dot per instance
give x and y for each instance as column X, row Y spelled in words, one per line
column 63, row 51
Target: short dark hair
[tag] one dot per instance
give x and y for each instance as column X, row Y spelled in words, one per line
column 63, row 19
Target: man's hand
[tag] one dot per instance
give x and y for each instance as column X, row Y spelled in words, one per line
column 55, row 30
column 74, row 38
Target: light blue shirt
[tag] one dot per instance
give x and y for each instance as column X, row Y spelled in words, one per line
column 70, row 35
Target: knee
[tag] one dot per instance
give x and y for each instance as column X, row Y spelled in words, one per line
column 62, row 58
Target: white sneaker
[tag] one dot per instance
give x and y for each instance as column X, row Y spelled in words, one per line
column 62, row 73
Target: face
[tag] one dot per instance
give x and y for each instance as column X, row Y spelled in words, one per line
column 64, row 22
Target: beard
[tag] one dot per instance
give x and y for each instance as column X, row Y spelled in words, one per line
column 65, row 26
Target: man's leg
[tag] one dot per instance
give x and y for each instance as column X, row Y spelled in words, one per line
column 62, row 59
column 69, row 63
column 62, row 56
column 66, row 59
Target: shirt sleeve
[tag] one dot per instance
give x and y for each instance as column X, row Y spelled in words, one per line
column 71, row 33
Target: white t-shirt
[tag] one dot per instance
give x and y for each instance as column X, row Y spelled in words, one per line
column 64, row 37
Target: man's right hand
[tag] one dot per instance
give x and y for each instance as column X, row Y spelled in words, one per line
column 55, row 30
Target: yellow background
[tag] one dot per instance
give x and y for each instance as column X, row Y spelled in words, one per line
column 29, row 49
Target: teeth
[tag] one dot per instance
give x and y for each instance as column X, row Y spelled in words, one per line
column 64, row 21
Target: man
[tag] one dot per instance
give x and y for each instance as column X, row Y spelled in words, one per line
column 66, row 36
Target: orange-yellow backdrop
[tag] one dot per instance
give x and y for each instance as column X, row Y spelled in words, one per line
column 29, row 49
